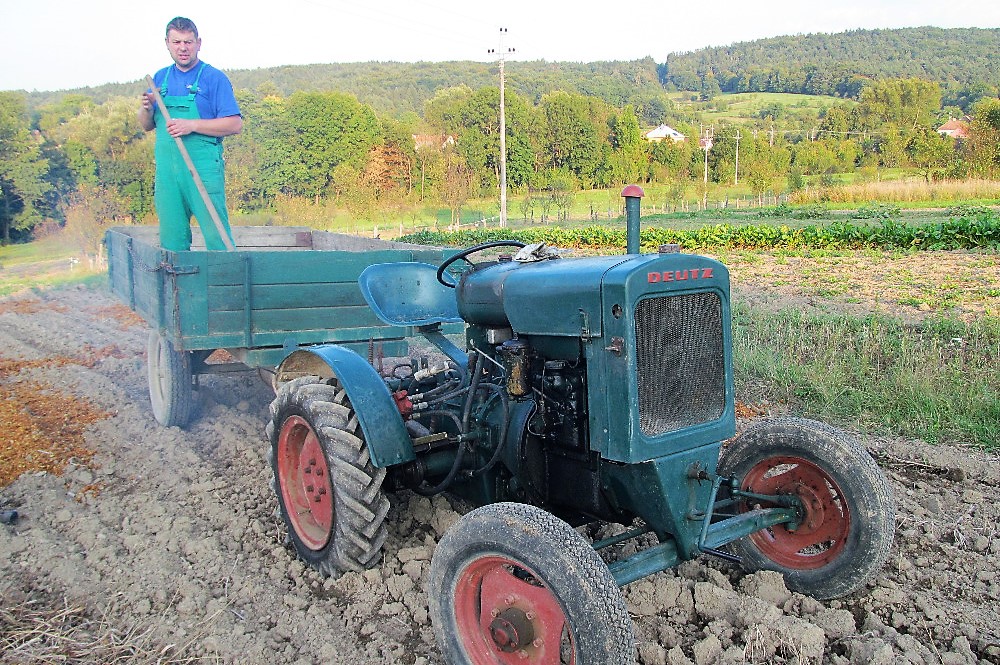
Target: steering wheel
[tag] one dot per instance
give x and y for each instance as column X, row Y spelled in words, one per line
column 462, row 256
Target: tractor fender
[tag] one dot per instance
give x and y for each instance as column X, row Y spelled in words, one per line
column 388, row 442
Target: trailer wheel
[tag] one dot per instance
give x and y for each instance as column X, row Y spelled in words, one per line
column 329, row 494
column 844, row 536
column 511, row 583
column 170, row 381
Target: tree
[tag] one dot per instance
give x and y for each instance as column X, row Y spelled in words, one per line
column 479, row 137
column 443, row 112
column 908, row 103
column 104, row 147
column 983, row 144
column 628, row 145
column 930, row 152
column 328, row 129
column 23, row 186
column 572, row 140
column 89, row 213
column 456, row 185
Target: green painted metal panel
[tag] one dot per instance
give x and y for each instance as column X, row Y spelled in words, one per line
column 279, row 296
column 559, row 297
column 386, row 436
column 284, row 320
column 615, row 430
column 260, row 297
column 661, row 492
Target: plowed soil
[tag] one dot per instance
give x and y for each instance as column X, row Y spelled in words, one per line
column 136, row 543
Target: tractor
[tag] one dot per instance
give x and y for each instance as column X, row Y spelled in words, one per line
column 587, row 391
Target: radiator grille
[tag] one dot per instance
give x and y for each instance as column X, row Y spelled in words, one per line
column 680, row 361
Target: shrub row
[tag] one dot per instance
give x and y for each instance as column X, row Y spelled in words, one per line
column 975, row 231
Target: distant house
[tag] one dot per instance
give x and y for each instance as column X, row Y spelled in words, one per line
column 955, row 128
column 421, row 141
column 662, row 133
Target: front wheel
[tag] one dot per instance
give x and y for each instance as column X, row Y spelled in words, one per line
column 171, row 392
column 848, row 521
column 511, row 583
column 330, row 495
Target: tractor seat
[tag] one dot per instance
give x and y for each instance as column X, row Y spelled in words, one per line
column 408, row 294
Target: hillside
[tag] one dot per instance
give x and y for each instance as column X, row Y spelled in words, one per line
column 962, row 60
column 839, row 64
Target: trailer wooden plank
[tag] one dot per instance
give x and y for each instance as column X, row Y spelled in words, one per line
column 276, row 296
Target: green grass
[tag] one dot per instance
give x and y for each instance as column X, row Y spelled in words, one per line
column 936, row 380
column 33, row 252
column 42, row 264
column 738, row 108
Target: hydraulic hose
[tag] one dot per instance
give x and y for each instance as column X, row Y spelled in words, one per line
column 502, row 443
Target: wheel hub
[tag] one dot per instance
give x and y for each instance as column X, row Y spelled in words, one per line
column 821, row 534
column 511, row 630
column 305, row 484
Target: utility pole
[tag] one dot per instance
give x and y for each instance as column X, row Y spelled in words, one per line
column 736, row 176
column 503, row 130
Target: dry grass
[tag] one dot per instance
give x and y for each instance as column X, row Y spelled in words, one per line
column 43, row 428
column 33, row 632
column 896, row 191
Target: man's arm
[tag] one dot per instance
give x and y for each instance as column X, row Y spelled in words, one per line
column 217, row 127
column 146, row 113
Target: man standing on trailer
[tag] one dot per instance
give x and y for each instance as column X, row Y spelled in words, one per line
column 203, row 109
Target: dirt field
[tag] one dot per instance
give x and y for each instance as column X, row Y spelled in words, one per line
column 164, row 546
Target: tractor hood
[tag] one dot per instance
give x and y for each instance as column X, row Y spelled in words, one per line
column 563, row 297
column 560, row 297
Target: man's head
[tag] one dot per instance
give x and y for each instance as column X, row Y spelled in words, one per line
column 183, row 42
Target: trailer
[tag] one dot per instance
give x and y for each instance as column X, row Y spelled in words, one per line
column 284, row 288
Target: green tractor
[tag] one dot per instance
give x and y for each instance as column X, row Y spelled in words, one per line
column 588, row 390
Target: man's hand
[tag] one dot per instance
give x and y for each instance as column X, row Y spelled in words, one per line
column 180, row 127
column 146, row 112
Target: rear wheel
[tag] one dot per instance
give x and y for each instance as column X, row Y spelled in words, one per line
column 511, row 583
column 170, row 381
column 329, row 493
column 848, row 520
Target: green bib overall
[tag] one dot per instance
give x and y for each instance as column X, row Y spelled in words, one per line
column 175, row 194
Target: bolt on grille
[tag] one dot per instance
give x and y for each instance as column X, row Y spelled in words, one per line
column 680, row 362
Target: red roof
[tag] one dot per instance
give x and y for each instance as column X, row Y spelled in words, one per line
column 955, row 129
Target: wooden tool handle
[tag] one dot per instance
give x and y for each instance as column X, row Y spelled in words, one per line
column 220, row 227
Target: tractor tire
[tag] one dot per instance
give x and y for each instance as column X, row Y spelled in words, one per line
column 171, row 392
column 845, row 534
column 511, row 583
column 329, row 494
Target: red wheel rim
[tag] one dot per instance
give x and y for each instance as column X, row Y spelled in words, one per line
column 304, row 479
column 504, row 614
column 822, row 533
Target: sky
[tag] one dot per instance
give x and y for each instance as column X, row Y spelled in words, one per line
column 61, row 44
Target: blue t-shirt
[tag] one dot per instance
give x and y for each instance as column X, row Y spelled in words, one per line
column 215, row 98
